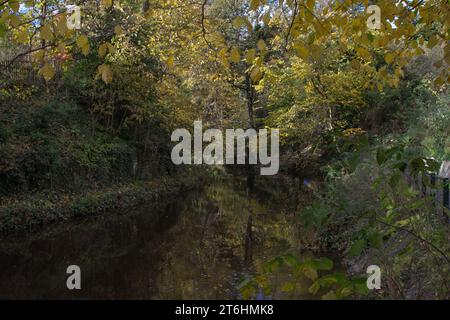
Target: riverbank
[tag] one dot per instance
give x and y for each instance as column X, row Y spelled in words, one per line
column 48, row 207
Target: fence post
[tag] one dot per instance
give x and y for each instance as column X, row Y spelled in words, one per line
column 446, row 193
column 446, row 200
column 423, row 186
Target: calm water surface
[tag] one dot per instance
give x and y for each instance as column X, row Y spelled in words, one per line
column 197, row 245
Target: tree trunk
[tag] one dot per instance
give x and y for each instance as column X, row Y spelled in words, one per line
column 250, row 100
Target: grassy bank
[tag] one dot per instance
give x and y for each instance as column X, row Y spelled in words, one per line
column 49, row 207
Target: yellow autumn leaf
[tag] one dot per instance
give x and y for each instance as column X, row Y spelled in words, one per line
column 14, row 5
column 266, row 18
column 389, row 57
column 250, row 55
column 439, row 81
column 256, row 74
column 111, row 48
column 85, row 50
column 107, row 3
column 254, row 4
column 310, row 273
column 105, row 73
column 239, row 22
column 301, row 51
column 82, row 40
column 171, row 61
column 46, row 32
column 14, row 20
column 399, row 72
column 310, row 4
column 261, row 45
column 61, row 25
column 47, row 71
column 235, row 56
column 62, row 47
column 380, row 87
column 22, row 36
column 249, row 26
column 39, row 56
column 223, row 56
column 83, row 44
column 118, row 30
column 258, row 61
column 364, row 53
column 102, row 50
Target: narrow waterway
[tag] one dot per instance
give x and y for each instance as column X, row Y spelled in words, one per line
column 197, row 245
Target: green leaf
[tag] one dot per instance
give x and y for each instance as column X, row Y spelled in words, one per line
column 323, row 282
column 287, row 287
column 314, row 287
column 310, row 272
column 244, row 282
column 381, row 156
column 417, row 165
column 395, row 179
column 323, row 264
column 331, row 295
column 344, row 292
column 376, row 240
column 400, row 166
column 291, row 260
column 272, row 265
column 360, row 285
column 357, row 248
column 247, row 291
column 2, row 30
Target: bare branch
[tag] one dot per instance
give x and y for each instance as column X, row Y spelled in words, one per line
column 294, row 16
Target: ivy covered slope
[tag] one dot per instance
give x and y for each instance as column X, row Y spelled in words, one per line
column 67, row 150
column 76, row 144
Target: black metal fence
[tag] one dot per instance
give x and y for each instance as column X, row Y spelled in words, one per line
column 20, row 70
column 436, row 187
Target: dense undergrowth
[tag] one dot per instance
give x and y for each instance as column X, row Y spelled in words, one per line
column 75, row 146
column 47, row 207
column 372, row 214
column 368, row 211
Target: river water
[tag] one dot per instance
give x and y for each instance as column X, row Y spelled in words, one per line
column 195, row 245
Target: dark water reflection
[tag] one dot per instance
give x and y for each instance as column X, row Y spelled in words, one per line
column 194, row 246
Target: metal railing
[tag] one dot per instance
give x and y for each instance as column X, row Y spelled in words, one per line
column 436, row 187
column 17, row 71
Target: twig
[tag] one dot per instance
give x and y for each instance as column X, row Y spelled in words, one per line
column 205, row 2
column 442, row 253
column 294, row 16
